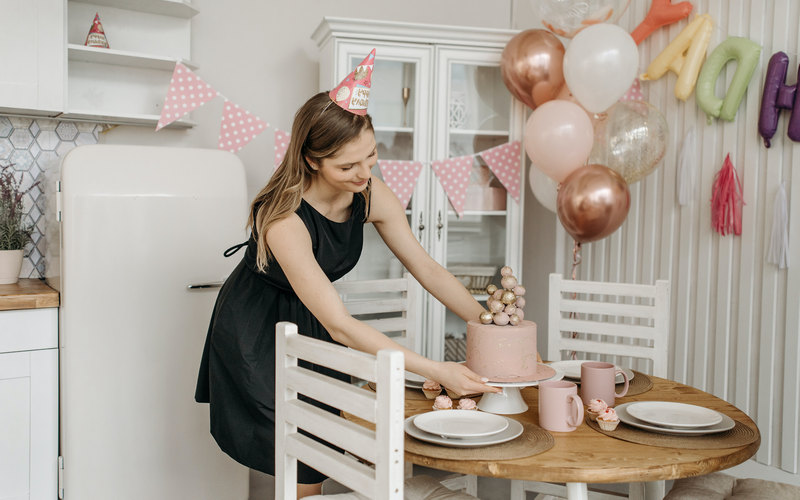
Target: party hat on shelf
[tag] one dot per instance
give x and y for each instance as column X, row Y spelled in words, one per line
column 352, row 94
column 96, row 36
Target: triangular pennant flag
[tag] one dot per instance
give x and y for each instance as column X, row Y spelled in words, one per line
column 238, row 127
column 634, row 93
column 186, row 92
column 504, row 161
column 401, row 177
column 453, row 175
column 281, row 145
column 96, row 36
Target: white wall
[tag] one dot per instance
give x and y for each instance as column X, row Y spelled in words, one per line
column 735, row 317
column 259, row 54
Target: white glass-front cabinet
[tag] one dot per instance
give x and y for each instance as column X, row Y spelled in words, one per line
column 437, row 92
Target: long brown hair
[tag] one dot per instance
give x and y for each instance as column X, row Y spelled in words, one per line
column 320, row 129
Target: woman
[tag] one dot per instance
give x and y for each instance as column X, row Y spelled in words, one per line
column 307, row 231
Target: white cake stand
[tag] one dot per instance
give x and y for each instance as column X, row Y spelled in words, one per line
column 509, row 401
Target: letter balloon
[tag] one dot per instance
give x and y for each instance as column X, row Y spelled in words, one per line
column 778, row 96
column 746, row 53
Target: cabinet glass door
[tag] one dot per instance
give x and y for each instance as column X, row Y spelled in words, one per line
column 475, row 115
column 399, row 98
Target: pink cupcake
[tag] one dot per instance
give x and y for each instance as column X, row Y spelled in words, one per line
column 467, row 404
column 431, row 388
column 595, row 408
column 442, row 403
column 608, row 420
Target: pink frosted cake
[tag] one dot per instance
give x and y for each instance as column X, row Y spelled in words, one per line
column 502, row 353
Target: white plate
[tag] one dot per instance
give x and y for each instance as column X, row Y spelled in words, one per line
column 726, row 424
column 513, row 430
column 414, row 381
column 572, row 370
column 675, row 415
column 460, row 423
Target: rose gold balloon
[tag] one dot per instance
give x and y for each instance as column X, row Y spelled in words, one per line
column 592, row 203
column 531, row 66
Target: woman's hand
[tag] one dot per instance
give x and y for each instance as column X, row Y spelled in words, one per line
column 459, row 379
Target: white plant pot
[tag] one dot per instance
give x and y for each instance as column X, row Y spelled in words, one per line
column 10, row 266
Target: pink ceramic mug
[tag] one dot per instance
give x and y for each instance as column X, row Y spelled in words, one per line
column 560, row 407
column 598, row 380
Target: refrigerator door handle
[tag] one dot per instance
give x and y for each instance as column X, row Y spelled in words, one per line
column 210, row 284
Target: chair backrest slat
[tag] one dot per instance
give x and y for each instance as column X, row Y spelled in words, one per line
column 353, row 399
column 359, row 440
column 590, row 318
column 319, row 352
column 388, row 305
column 346, row 470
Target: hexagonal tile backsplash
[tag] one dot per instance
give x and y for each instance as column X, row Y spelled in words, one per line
column 35, row 147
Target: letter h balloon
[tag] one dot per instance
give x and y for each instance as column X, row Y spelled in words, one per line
column 777, row 96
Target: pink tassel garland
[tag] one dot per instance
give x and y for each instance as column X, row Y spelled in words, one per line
column 727, row 200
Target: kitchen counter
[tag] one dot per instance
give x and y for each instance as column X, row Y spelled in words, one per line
column 27, row 293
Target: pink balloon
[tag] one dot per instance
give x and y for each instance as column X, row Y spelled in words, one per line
column 558, row 138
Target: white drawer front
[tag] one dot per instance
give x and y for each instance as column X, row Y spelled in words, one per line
column 28, row 329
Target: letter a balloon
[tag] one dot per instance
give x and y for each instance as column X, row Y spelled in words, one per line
column 600, row 65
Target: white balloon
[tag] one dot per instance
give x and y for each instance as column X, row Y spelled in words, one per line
column 600, row 65
column 544, row 188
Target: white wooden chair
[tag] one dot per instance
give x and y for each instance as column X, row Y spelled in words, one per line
column 382, row 447
column 622, row 323
column 392, row 306
column 389, row 305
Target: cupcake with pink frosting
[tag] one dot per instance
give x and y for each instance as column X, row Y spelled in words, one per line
column 431, row 388
column 595, row 408
column 442, row 402
column 608, row 420
column 467, row 404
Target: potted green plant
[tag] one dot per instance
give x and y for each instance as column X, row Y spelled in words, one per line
column 14, row 234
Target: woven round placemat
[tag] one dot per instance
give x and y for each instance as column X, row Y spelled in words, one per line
column 740, row 435
column 639, row 384
column 532, row 441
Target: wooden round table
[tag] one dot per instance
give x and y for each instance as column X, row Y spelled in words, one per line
column 588, row 456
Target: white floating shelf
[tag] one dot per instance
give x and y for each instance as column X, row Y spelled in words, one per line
column 123, row 58
column 401, row 130
column 121, row 119
column 464, row 131
column 175, row 8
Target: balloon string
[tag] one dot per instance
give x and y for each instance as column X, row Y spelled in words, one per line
column 576, row 260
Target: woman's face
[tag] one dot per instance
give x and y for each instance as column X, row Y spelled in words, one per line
column 350, row 169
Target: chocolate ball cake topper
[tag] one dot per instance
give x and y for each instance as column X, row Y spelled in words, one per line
column 505, row 304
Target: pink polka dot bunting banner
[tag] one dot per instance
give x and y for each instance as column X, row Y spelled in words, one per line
column 186, row 92
column 238, row 127
column 504, row 162
column 453, row 175
column 634, row 93
column 281, row 145
column 401, row 177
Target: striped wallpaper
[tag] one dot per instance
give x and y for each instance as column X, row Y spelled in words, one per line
column 735, row 317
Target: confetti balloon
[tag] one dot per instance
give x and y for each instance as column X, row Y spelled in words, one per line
column 630, row 140
column 567, row 17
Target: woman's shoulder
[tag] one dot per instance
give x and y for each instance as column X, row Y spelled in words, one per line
column 383, row 202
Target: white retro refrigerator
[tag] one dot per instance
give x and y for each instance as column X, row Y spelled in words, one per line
column 143, row 230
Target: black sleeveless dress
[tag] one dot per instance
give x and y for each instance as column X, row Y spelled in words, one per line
column 237, row 371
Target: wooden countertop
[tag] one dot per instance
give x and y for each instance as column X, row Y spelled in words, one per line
column 27, row 293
